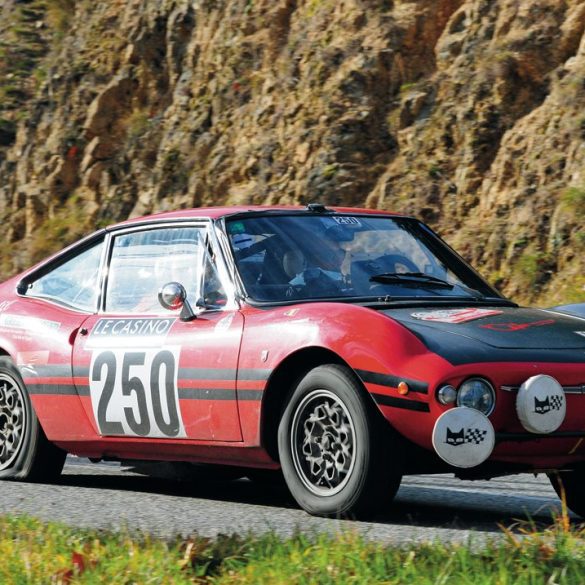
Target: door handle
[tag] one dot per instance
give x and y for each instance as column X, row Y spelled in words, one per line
column 75, row 333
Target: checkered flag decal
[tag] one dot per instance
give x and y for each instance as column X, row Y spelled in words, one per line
column 556, row 402
column 475, row 436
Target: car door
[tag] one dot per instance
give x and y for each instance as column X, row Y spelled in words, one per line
column 148, row 372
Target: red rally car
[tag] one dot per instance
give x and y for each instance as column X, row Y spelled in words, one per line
column 347, row 347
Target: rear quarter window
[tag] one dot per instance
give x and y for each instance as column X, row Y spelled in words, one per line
column 74, row 283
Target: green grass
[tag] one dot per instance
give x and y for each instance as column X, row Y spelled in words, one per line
column 533, row 269
column 59, row 13
column 36, row 552
column 573, row 199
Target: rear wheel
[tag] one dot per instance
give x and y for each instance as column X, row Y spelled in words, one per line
column 25, row 452
column 573, row 483
column 334, row 447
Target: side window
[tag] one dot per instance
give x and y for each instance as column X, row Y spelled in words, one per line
column 212, row 289
column 74, row 283
column 142, row 262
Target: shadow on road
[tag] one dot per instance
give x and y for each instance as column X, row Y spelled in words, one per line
column 435, row 507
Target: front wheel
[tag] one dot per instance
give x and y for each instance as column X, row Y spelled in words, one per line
column 572, row 483
column 334, row 448
column 25, row 452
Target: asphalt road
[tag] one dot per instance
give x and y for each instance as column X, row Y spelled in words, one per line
column 426, row 508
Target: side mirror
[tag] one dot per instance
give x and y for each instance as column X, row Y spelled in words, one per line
column 173, row 296
column 22, row 287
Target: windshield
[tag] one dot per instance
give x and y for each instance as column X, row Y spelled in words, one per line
column 301, row 257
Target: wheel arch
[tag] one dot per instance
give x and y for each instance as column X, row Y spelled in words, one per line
column 283, row 380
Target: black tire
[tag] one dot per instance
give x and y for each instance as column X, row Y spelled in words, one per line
column 573, row 483
column 328, row 418
column 25, row 452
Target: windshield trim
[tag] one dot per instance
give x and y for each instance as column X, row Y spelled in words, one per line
column 301, row 212
column 383, row 302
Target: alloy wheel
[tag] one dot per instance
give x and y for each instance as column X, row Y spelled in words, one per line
column 13, row 420
column 323, row 442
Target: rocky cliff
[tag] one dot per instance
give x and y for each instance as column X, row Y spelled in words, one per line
column 467, row 113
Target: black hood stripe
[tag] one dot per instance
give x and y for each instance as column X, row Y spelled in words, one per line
column 513, row 335
column 392, row 381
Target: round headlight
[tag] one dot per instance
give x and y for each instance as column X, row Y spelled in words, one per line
column 447, row 394
column 477, row 393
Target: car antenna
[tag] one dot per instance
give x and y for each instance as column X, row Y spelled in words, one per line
column 317, row 208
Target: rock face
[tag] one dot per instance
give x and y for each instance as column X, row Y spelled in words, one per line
column 469, row 114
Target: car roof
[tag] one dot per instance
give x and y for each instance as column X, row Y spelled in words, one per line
column 219, row 212
column 194, row 213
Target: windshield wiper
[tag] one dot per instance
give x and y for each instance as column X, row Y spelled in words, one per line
column 418, row 278
column 426, row 279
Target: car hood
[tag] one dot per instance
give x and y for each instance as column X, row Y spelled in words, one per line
column 496, row 333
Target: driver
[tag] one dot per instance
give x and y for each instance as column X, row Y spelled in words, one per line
column 323, row 272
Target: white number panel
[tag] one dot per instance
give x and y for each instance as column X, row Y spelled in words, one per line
column 135, row 392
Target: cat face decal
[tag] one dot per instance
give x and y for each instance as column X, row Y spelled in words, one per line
column 548, row 404
column 463, row 436
column 455, row 439
column 541, row 406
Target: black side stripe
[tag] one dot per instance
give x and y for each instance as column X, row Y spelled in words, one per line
column 184, row 393
column 64, row 371
column 384, row 400
column 254, row 374
column 45, row 371
column 60, row 389
column 392, row 381
column 207, row 394
column 223, row 374
column 250, row 394
column 207, row 374
column 218, row 394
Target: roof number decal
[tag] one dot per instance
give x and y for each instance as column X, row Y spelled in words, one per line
column 344, row 220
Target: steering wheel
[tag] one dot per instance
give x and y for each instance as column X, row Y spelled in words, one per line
column 396, row 260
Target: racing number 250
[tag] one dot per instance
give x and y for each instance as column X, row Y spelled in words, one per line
column 134, row 400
